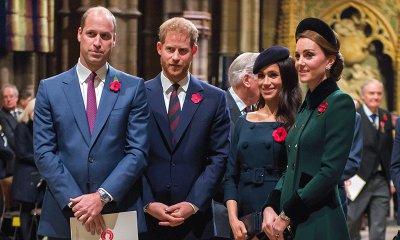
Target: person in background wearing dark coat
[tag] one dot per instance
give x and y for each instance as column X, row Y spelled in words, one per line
column 257, row 156
column 26, row 187
column 374, row 169
column 353, row 162
column 244, row 92
column 395, row 167
column 9, row 112
column 305, row 202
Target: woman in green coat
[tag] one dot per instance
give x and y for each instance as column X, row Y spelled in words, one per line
column 305, row 201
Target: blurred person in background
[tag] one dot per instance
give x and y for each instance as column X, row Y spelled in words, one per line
column 27, row 186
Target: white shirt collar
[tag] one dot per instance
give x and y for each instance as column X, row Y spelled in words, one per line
column 368, row 112
column 83, row 72
column 166, row 83
column 241, row 105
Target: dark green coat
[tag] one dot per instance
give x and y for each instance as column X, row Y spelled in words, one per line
column 317, row 146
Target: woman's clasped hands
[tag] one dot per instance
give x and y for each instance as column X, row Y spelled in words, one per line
column 273, row 225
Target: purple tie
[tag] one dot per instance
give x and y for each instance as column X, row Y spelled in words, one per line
column 174, row 111
column 91, row 106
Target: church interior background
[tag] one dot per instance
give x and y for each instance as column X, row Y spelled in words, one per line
column 38, row 37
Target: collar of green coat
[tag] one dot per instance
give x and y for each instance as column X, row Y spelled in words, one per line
column 323, row 90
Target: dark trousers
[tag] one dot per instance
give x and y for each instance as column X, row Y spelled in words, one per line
column 343, row 198
column 374, row 197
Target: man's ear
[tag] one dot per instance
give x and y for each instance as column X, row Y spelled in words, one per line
column 79, row 34
column 246, row 80
column 159, row 47
column 114, row 39
column 194, row 49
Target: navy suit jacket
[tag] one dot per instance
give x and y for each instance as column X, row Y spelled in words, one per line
column 354, row 160
column 395, row 164
column 73, row 162
column 192, row 169
column 234, row 110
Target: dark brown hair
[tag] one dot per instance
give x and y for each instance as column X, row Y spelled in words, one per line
column 336, row 70
column 290, row 95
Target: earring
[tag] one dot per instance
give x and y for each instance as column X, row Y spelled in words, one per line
column 327, row 68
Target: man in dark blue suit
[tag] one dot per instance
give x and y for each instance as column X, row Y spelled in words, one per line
column 189, row 141
column 244, row 92
column 353, row 162
column 395, row 167
column 90, row 135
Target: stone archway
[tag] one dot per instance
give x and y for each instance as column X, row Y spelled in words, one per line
column 368, row 44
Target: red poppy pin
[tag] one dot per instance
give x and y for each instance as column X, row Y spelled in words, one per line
column 322, row 107
column 196, row 98
column 107, row 234
column 115, row 85
column 279, row 134
column 384, row 117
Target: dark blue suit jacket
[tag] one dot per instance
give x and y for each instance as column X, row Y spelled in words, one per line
column 354, row 160
column 73, row 162
column 395, row 164
column 192, row 169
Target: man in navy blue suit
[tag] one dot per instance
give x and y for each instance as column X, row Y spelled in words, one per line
column 90, row 135
column 395, row 166
column 189, row 140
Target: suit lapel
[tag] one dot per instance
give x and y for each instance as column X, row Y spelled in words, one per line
column 107, row 102
column 233, row 108
column 157, row 105
column 189, row 107
column 73, row 94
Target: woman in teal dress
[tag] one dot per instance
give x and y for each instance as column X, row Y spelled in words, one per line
column 258, row 157
column 306, row 200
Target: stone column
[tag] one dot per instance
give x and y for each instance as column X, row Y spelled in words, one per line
column 63, row 20
column 249, row 25
column 124, row 56
column 202, row 21
column 149, row 59
column 229, row 27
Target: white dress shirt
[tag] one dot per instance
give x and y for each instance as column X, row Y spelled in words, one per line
column 241, row 105
column 167, row 89
column 83, row 75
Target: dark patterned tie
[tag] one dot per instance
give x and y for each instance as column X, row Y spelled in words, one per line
column 373, row 117
column 14, row 113
column 247, row 109
column 91, row 106
column 174, row 111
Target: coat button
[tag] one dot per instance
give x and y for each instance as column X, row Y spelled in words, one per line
column 173, row 164
column 293, row 166
column 288, row 148
column 91, row 159
column 168, row 186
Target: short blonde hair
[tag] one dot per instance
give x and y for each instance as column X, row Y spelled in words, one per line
column 25, row 116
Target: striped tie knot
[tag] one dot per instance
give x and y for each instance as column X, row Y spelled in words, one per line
column 174, row 111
